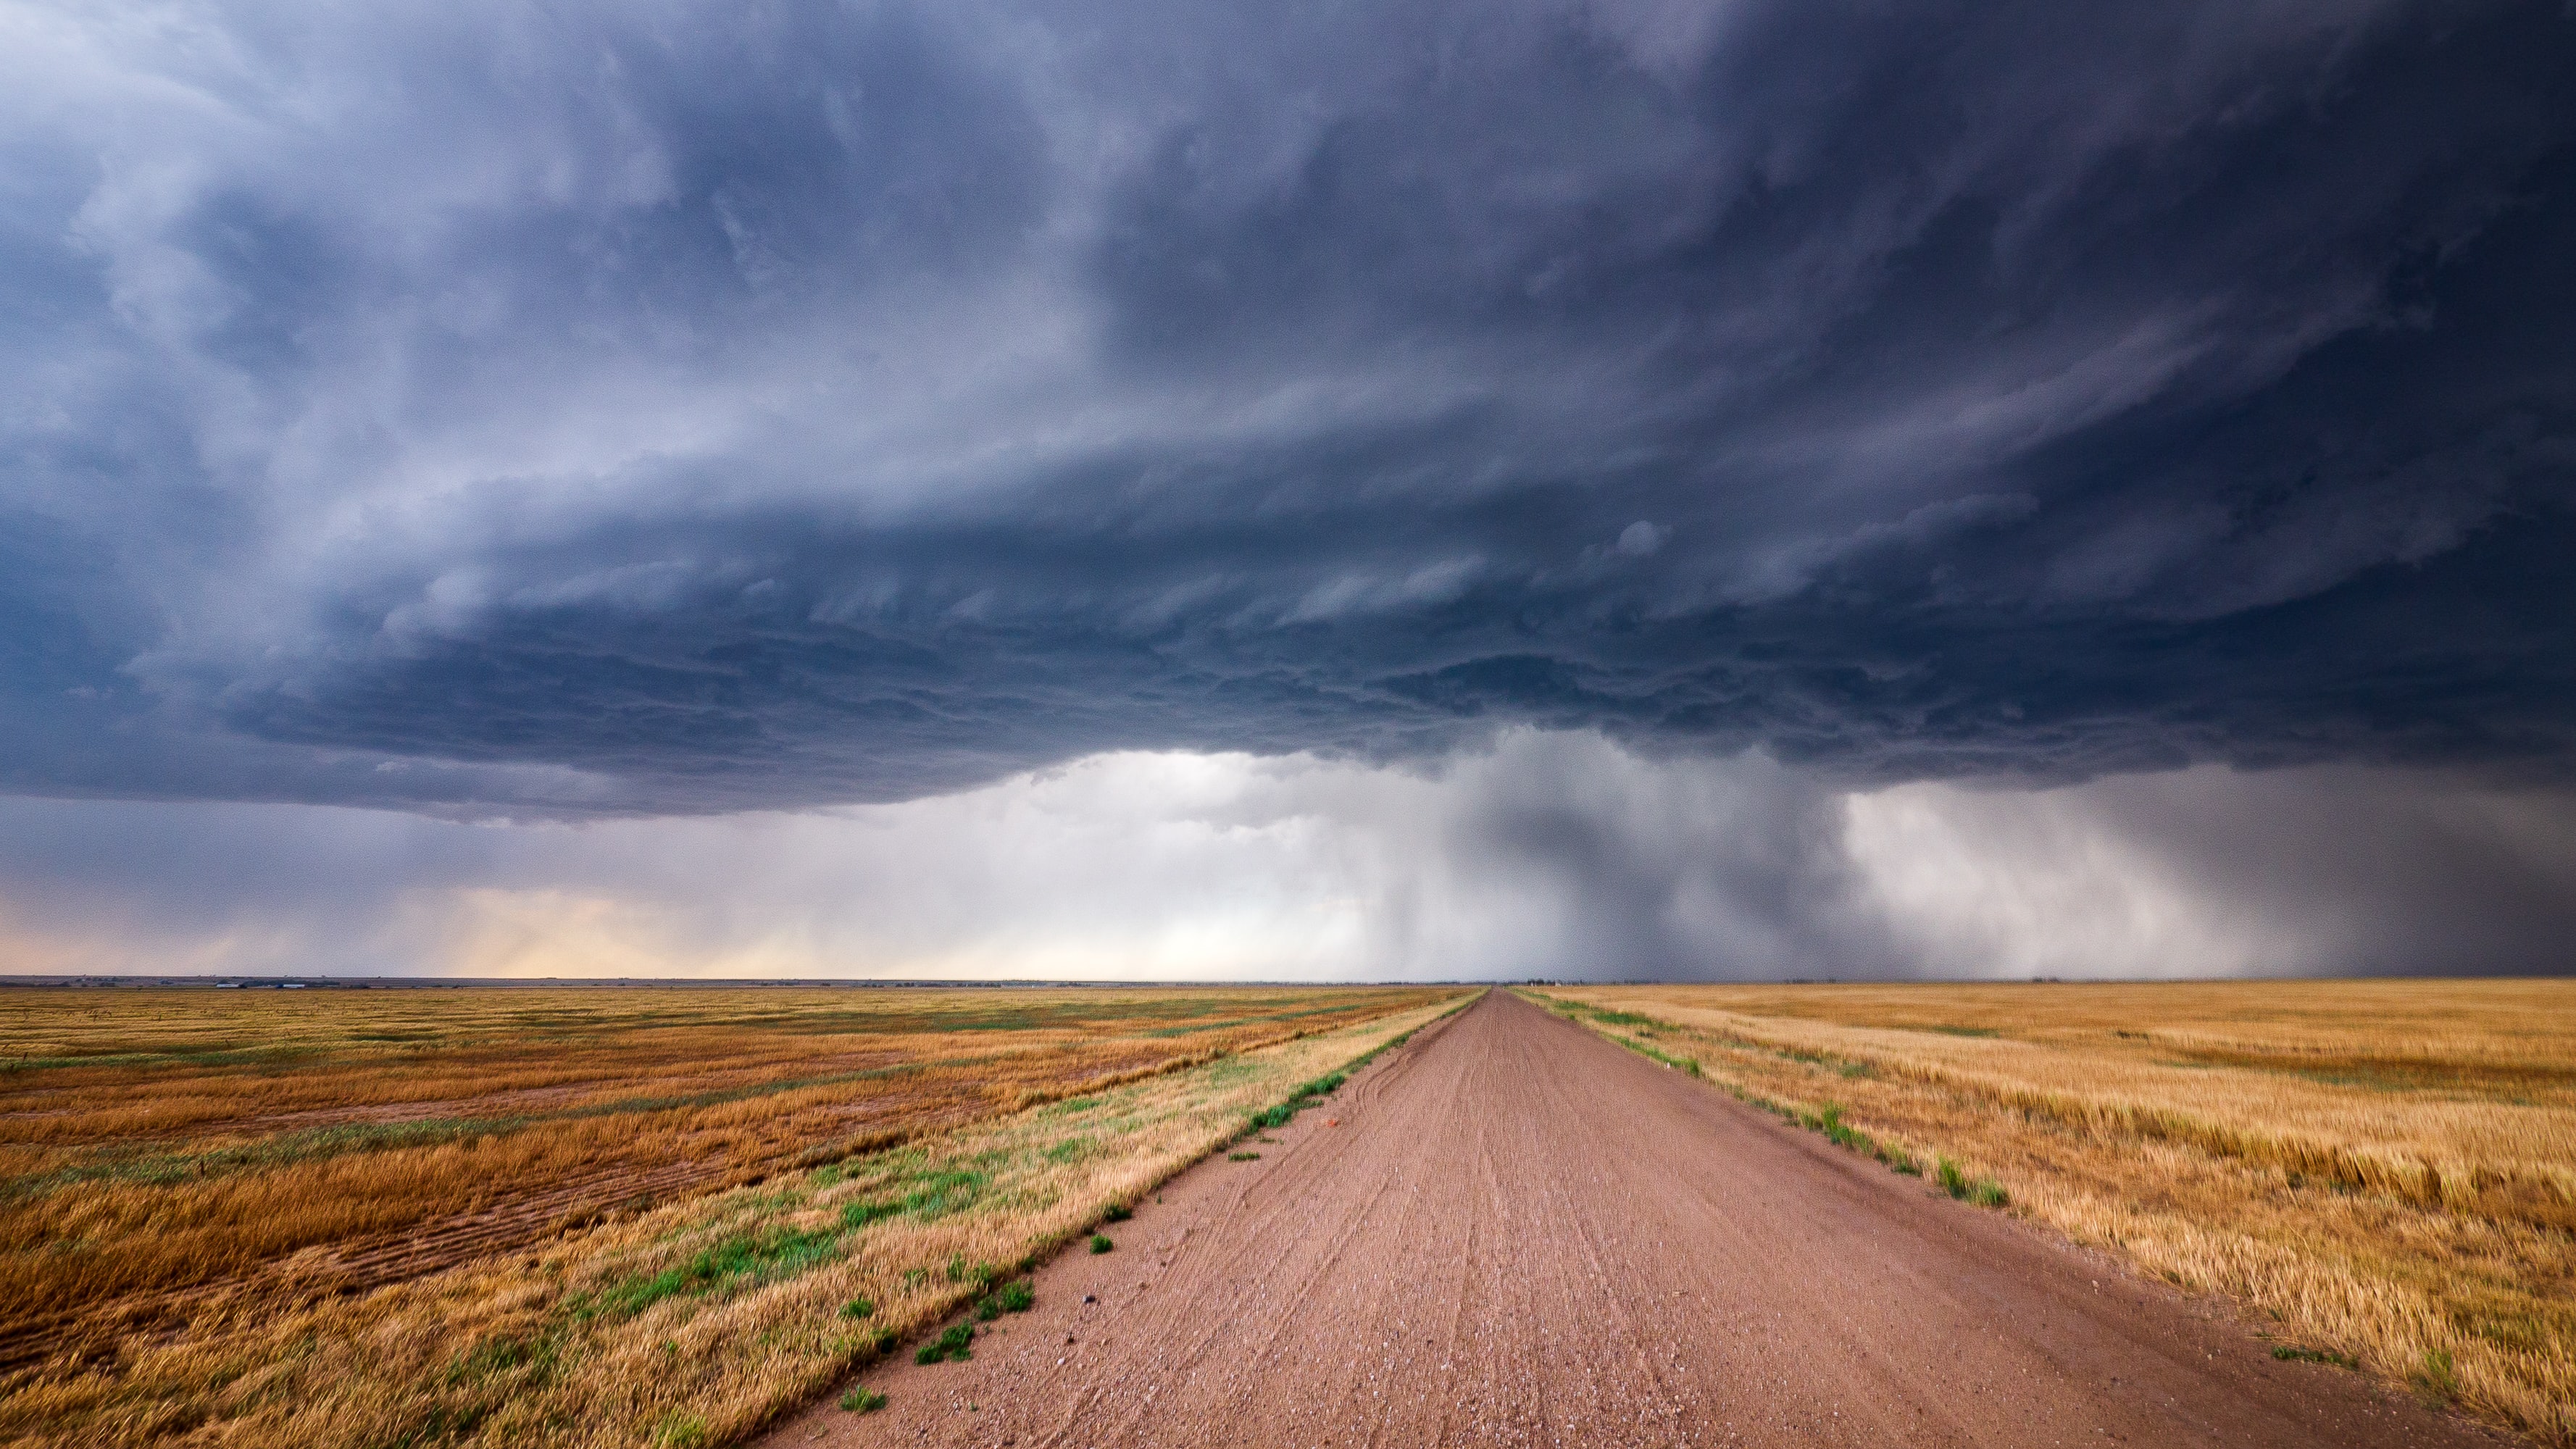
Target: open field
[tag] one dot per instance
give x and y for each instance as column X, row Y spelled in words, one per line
column 2385, row 1172
column 1510, row 1232
column 579, row 1217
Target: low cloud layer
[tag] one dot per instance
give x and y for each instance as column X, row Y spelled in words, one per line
column 1560, row 856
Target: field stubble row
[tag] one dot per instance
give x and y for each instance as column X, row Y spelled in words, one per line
column 2380, row 1169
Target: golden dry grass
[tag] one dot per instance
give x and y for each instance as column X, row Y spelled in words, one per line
column 581, row 1216
column 2384, row 1170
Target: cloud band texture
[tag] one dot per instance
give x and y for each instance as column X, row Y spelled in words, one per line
column 650, row 408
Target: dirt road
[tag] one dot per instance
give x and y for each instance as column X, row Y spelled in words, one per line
column 1519, row 1234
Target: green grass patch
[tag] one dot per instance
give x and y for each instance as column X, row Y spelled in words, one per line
column 633, row 1296
column 857, row 1215
column 504, row 1356
column 941, row 1194
column 957, row 1345
column 1981, row 1191
column 1016, row 1296
column 1689, row 1065
column 1100, row 1243
column 1306, row 1095
column 765, row 1257
column 2291, row 1353
column 863, row 1400
column 739, row 1261
column 859, row 1308
column 1836, row 1131
column 2436, row 1377
column 1828, row 1120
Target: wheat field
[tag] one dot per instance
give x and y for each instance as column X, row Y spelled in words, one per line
column 2383, row 1173
column 586, row 1216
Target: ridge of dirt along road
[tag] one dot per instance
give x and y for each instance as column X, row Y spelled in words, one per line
column 1520, row 1234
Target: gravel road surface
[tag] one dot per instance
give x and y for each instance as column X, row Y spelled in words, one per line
column 1512, row 1232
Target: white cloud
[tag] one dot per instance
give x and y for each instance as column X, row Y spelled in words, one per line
column 2218, row 872
column 1555, row 855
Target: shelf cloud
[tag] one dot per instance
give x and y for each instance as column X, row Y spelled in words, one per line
column 1655, row 489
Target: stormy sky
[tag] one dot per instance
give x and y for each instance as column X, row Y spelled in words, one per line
column 1730, row 489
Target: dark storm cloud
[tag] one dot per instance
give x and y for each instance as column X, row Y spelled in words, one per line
column 672, row 408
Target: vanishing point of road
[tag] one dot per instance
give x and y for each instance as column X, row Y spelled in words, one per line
column 1512, row 1232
